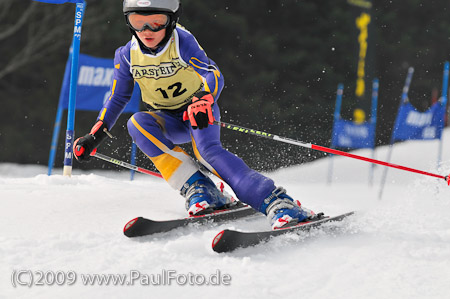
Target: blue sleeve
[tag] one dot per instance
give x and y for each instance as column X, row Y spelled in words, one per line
column 193, row 54
column 121, row 88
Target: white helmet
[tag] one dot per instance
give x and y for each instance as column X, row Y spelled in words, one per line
column 171, row 8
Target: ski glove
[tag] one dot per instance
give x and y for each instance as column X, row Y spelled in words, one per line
column 199, row 113
column 87, row 145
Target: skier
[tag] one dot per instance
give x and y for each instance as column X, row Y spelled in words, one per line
column 180, row 86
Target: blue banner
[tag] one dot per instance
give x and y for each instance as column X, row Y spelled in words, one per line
column 60, row 1
column 412, row 124
column 348, row 134
column 93, row 86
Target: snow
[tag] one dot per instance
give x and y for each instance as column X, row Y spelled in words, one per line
column 396, row 247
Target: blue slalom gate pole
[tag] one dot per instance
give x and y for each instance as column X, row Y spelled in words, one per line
column 337, row 116
column 444, row 99
column 133, row 160
column 403, row 99
column 59, row 115
column 373, row 123
column 68, row 154
column 54, row 145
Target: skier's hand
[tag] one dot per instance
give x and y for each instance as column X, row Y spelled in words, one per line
column 87, row 145
column 199, row 113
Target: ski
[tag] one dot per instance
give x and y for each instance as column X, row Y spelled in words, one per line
column 229, row 240
column 141, row 226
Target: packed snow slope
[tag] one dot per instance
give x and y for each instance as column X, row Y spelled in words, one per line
column 396, row 247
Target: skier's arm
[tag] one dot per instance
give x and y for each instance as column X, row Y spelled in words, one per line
column 121, row 88
column 120, row 94
column 193, row 54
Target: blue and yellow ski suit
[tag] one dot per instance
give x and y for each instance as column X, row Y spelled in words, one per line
column 168, row 80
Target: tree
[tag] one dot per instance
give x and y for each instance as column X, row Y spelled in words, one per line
column 36, row 26
column 281, row 60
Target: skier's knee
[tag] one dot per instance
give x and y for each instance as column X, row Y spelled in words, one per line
column 210, row 151
column 138, row 122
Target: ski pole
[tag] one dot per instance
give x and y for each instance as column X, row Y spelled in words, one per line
column 324, row 149
column 126, row 165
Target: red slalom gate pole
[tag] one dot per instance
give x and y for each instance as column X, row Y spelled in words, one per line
column 326, row 149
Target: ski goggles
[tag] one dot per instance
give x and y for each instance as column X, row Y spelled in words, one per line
column 152, row 22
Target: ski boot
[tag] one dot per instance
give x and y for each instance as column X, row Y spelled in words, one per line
column 282, row 211
column 202, row 196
